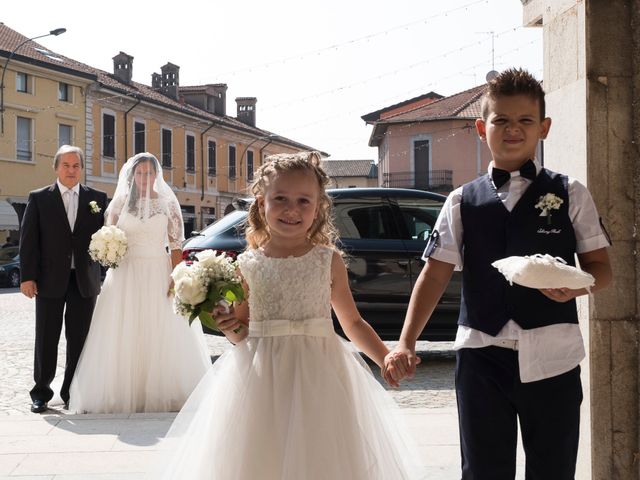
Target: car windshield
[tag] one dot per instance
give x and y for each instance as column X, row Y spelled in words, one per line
column 226, row 222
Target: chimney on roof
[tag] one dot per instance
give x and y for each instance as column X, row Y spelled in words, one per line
column 211, row 97
column 170, row 80
column 123, row 67
column 156, row 81
column 247, row 110
column 219, row 99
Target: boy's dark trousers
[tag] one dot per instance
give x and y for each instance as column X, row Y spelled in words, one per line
column 491, row 399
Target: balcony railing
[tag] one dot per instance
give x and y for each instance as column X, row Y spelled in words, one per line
column 435, row 181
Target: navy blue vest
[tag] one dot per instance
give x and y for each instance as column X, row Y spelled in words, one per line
column 491, row 232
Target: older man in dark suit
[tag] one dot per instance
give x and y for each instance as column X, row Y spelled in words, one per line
column 56, row 268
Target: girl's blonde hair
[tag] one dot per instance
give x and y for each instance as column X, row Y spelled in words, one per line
column 322, row 231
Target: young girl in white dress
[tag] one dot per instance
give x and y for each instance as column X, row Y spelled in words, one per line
column 291, row 400
column 139, row 355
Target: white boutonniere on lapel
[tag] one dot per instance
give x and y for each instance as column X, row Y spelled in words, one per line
column 548, row 202
column 93, row 207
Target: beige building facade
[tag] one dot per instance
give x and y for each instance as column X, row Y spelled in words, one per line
column 592, row 80
column 208, row 157
column 42, row 108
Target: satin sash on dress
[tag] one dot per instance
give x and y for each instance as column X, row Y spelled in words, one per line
column 313, row 327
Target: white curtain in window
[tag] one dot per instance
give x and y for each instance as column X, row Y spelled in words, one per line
column 23, row 139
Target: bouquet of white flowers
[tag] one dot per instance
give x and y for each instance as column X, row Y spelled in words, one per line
column 199, row 287
column 108, row 246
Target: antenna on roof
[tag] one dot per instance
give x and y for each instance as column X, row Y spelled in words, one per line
column 491, row 74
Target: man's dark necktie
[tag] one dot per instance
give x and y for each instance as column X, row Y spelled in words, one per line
column 500, row 177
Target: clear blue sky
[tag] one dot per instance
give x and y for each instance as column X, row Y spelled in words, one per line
column 315, row 67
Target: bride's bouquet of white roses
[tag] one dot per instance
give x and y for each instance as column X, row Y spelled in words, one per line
column 202, row 285
column 108, row 246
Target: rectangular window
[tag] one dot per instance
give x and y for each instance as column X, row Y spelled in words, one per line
column 24, row 142
column 189, row 219
column 421, row 150
column 250, row 165
column 64, row 92
column 166, row 148
column 208, row 215
column 211, row 149
column 108, row 135
column 139, row 140
column 191, row 153
column 65, row 135
column 22, row 82
column 232, row 161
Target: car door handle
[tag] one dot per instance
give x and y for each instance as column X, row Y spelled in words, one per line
column 403, row 263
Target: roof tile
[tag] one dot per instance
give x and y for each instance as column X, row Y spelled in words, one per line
column 10, row 39
column 348, row 168
column 461, row 105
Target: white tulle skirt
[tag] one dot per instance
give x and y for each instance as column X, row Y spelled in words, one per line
column 288, row 408
column 139, row 356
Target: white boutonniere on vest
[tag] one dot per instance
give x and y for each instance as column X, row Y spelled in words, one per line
column 548, row 202
column 94, row 207
column 108, row 246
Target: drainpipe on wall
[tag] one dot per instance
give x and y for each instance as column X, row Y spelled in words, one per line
column 263, row 147
column 126, row 135
column 87, row 154
column 202, row 171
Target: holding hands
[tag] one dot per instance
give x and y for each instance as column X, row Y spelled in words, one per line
column 399, row 363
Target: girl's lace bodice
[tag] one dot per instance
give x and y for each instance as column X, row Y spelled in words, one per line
column 292, row 288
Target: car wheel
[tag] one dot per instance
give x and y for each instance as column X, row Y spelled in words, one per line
column 14, row 278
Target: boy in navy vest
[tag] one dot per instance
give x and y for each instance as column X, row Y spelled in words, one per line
column 517, row 349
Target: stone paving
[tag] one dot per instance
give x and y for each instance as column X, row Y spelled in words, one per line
column 16, row 351
column 61, row 446
column 432, row 386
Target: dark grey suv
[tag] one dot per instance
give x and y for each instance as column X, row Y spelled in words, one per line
column 10, row 267
column 383, row 232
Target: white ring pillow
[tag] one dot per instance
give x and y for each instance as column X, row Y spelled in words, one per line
column 543, row 271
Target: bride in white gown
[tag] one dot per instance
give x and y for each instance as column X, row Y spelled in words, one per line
column 139, row 356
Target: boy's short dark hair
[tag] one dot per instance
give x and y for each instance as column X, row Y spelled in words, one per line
column 513, row 81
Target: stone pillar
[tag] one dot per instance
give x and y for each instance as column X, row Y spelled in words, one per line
column 592, row 80
column 612, row 164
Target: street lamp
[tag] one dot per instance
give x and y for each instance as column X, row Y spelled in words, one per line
column 270, row 138
column 56, row 32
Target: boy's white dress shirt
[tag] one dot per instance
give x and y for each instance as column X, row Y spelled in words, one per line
column 542, row 352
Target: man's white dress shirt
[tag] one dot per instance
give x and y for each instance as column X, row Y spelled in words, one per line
column 70, row 199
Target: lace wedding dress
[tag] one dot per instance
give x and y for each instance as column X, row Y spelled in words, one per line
column 292, row 401
column 139, row 356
